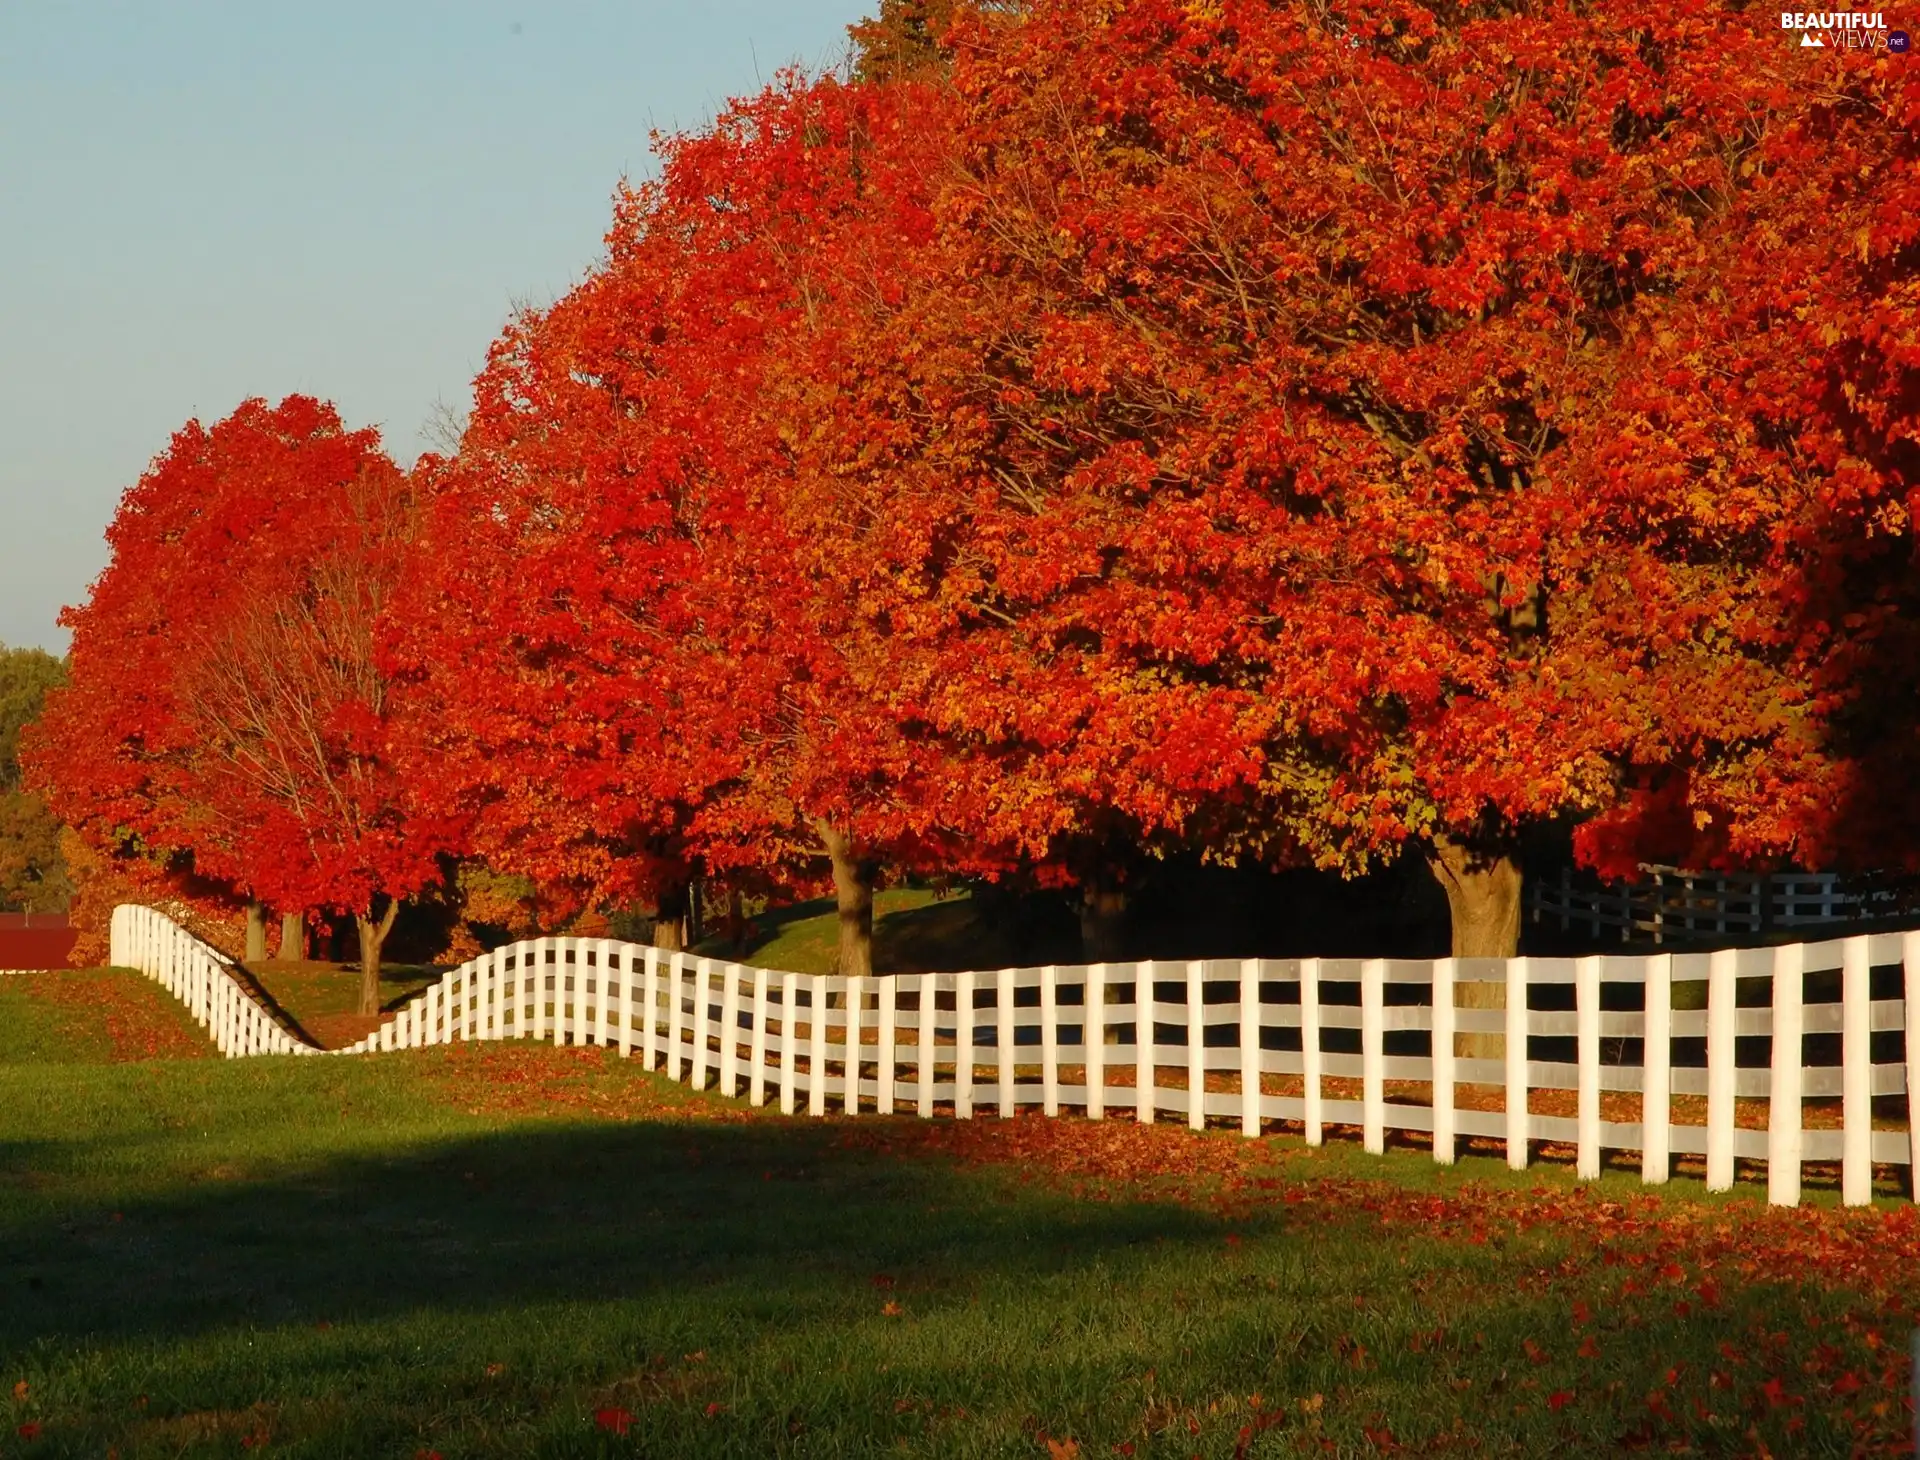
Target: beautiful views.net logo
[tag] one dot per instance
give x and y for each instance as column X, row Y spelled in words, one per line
column 1847, row 30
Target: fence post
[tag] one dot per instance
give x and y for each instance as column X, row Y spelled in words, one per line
column 514, row 1026
column 650, row 1007
column 1310, row 1059
column 757, row 1080
column 676, row 1014
column 1784, row 1142
column 1656, row 1100
column 850, row 1067
column 1093, row 1040
column 924, row 1068
column 602, row 992
column 582, row 1003
column 789, row 1039
column 1856, row 1075
column 1722, row 1072
column 817, row 1056
column 1143, row 1042
column 1910, row 1035
column 1003, row 1035
column 730, row 1029
column 1516, row 1042
column 885, row 988
column 1249, row 1047
column 1373, row 1055
column 626, row 1000
column 963, row 1046
column 1586, row 1000
column 1050, row 1040
column 702, row 1008
column 1197, row 1045
column 1444, row 1124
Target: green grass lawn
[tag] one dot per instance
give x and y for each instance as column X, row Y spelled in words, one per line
column 321, row 998
column 512, row 1250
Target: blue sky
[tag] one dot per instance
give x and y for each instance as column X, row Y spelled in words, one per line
column 204, row 201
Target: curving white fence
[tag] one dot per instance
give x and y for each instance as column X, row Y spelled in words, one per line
column 1250, row 1041
column 201, row 977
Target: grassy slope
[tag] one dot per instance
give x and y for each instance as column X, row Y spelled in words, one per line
column 476, row 1251
column 914, row 931
column 321, row 997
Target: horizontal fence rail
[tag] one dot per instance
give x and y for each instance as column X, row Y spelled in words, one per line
column 1605, row 1053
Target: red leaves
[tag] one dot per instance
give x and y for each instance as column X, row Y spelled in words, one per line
column 226, row 697
column 614, row 1420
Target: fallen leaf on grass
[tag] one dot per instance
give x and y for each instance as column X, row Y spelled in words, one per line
column 619, row 1421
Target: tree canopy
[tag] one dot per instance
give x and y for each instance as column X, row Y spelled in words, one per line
column 1305, row 433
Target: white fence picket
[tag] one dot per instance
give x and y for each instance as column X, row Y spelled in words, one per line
column 856, row 999
column 1443, row 1057
column 1250, row 1047
column 889, row 1033
column 1144, row 1069
column 1003, row 1040
column 1196, row 1045
column 963, row 1046
column 1312, row 1062
column 1785, row 1140
column 1050, row 1040
column 789, row 1040
column 817, row 1056
column 1093, row 1041
column 757, row 1077
column 1722, row 1071
column 730, row 1030
column 1856, row 1117
column 925, row 1044
column 1516, row 1052
column 1586, row 997
column 1656, row 1101
column 1373, row 1055
column 700, row 990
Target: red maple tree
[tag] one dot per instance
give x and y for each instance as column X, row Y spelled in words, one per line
column 226, row 712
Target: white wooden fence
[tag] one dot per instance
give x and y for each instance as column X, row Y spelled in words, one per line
column 201, row 977
column 1215, row 1039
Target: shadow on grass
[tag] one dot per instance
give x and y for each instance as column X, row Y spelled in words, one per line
column 541, row 1214
column 768, row 1288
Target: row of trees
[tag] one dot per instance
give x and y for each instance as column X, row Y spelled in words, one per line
column 33, row 873
column 1300, row 432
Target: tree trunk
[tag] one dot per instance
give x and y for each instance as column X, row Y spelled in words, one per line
column 853, row 889
column 256, row 932
column 1103, row 923
column 1483, row 899
column 293, row 937
column 670, row 919
column 736, row 922
column 372, row 936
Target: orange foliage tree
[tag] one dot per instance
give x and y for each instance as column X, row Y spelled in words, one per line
column 226, row 716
